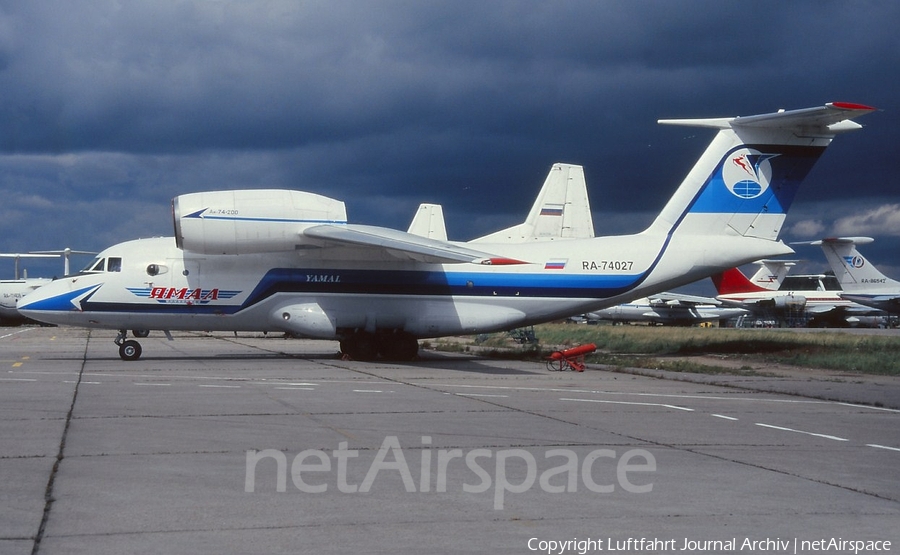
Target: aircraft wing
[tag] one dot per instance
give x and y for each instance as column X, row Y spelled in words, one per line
column 680, row 299
column 406, row 246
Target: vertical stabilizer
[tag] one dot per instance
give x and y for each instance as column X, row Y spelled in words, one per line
column 851, row 268
column 771, row 273
column 429, row 222
column 734, row 281
column 561, row 211
column 745, row 181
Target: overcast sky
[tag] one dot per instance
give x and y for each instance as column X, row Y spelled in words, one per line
column 109, row 109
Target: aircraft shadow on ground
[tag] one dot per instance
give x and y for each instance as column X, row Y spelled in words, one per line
column 428, row 360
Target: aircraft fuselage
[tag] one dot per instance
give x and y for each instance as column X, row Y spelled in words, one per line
column 320, row 293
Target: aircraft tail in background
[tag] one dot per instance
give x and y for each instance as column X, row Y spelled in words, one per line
column 561, row 211
column 768, row 277
column 851, row 268
column 734, row 281
column 861, row 282
column 771, row 273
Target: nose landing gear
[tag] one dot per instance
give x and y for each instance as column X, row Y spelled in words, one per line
column 128, row 349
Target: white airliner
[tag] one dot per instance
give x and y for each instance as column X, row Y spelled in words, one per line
column 860, row 280
column 669, row 309
column 12, row 290
column 814, row 300
column 275, row 260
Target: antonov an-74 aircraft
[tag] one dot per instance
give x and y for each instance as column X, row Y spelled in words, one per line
column 275, row 260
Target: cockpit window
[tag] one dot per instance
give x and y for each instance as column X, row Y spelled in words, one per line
column 113, row 264
column 90, row 266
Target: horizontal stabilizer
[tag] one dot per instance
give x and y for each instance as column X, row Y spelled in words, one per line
column 826, row 116
column 837, row 241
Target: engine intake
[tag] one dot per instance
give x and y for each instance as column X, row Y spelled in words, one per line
column 250, row 221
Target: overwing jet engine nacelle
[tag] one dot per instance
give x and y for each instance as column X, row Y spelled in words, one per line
column 787, row 302
column 250, row 221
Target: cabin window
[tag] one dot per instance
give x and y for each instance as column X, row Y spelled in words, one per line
column 115, row 264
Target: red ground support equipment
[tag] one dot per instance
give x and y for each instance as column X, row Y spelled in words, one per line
column 570, row 359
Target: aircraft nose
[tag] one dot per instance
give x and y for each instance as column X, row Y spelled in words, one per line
column 53, row 297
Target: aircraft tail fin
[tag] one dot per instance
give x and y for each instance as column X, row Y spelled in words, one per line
column 851, row 268
column 745, row 181
column 429, row 222
column 771, row 273
column 561, row 211
column 734, row 281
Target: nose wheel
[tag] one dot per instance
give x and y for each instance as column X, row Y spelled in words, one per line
column 128, row 349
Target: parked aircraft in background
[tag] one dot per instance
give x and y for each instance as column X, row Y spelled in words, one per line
column 814, row 300
column 860, row 281
column 670, row 309
column 17, row 256
column 273, row 260
column 771, row 273
column 11, row 290
column 65, row 253
column 14, row 289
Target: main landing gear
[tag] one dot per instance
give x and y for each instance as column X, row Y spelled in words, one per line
column 367, row 346
column 129, row 349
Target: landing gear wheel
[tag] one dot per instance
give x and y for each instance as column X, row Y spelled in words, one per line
column 402, row 347
column 140, row 333
column 360, row 346
column 130, row 350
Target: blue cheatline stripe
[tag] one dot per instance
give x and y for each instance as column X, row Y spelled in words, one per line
column 414, row 282
column 199, row 215
column 275, row 220
column 61, row 302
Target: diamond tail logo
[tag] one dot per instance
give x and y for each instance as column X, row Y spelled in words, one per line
column 747, row 173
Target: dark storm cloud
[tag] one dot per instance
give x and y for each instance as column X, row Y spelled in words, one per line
column 388, row 104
